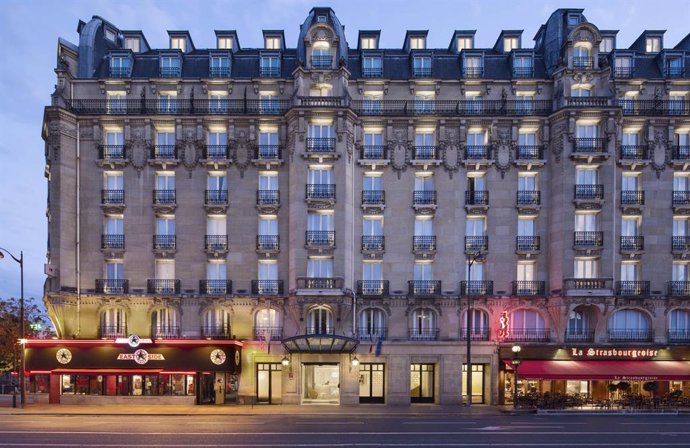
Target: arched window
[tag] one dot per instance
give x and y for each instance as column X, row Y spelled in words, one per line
column 372, row 324
column 165, row 324
column 479, row 325
column 321, row 55
column 579, row 326
column 424, row 326
column 679, row 326
column 267, row 325
column 216, row 324
column 629, row 325
column 320, row 320
column 527, row 325
column 113, row 323
column 582, row 57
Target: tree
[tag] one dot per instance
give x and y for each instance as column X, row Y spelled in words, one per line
column 35, row 326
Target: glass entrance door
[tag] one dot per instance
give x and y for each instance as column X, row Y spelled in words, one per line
column 477, row 383
column 422, row 383
column 371, row 383
column 268, row 383
column 321, row 384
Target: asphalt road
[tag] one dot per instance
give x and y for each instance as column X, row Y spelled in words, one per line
column 344, row 431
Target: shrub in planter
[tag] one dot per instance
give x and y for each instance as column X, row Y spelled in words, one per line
column 651, row 386
column 612, row 387
column 624, row 386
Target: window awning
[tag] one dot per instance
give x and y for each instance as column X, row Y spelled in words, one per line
column 320, row 343
column 604, row 370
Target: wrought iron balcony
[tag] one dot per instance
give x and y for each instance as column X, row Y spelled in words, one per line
column 322, row 61
column 165, row 331
column 587, row 283
column 372, row 288
column 113, row 331
column 528, row 197
column 588, row 239
column 424, row 197
column 268, row 333
column 679, row 289
column 120, row 72
column 632, row 197
column 655, row 107
column 424, row 107
column 423, row 243
column 423, row 334
column 589, row 192
column 269, row 71
column 451, row 107
column 632, row 289
column 320, row 329
column 111, row 152
column 522, row 288
column 371, row 333
column 216, row 332
column 215, row 287
column 374, row 152
column 477, row 197
column 676, row 336
column 585, row 62
column 267, row 197
column 590, row 145
column 425, row 152
column 112, row 197
column 113, row 241
column 673, row 71
column 472, row 72
column 421, row 72
column 419, row 288
column 631, row 335
column 320, row 192
column 320, row 145
column 632, row 243
column 579, row 335
column 586, row 101
column 164, row 152
column 530, row 243
column 680, row 243
column 477, row 152
column 476, row 244
column 268, row 152
column 681, row 152
column 320, row 238
column 165, row 197
column 633, row 152
column 320, row 283
column 216, row 152
column 373, row 243
column 267, row 287
column 372, row 72
column 219, row 72
column 165, row 242
column 216, row 197
column 323, row 101
column 623, row 72
column 523, row 72
column 528, row 335
column 476, row 333
column 530, row 152
column 112, row 286
column 170, row 72
column 681, row 198
column 476, row 288
column 162, row 286
column 268, row 243
column 216, row 243
column 373, row 197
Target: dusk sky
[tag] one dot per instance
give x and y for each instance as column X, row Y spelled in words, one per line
column 30, row 30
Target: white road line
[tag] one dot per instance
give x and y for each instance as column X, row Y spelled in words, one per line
column 312, row 422
column 457, row 422
column 473, row 431
column 364, row 444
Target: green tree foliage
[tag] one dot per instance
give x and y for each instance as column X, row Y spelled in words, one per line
column 35, row 326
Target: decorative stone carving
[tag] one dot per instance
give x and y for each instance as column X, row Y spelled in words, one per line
column 291, row 139
column 190, row 149
column 659, row 150
column 584, row 35
column 451, row 151
column 556, row 141
column 322, row 34
column 138, row 149
column 399, row 150
column 242, row 151
column 503, row 151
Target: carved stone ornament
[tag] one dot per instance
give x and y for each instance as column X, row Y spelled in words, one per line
column 451, row 151
column 54, row 140
column 584, row 35
column 659, row 151
column 556, row 141
column 322, row 34
column 291, row 139
column 503, row 151
column 582, row 77
column 138, row 150
column 190, row 150
column 242, row 150
column 399, row 151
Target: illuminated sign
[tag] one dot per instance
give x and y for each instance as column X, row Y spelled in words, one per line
column 504, row 325
column 632, row 353
column 141, row 356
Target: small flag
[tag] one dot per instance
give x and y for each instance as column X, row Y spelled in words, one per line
column 379, row 343
column 267, row 337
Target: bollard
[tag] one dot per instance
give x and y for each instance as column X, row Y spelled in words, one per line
column 14, row 400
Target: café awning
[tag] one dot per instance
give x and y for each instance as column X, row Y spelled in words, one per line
column 603, row 370
column 320, row 343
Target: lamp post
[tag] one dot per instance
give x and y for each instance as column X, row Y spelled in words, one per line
column 515, row 361
column 472, row 259
column 22, row 336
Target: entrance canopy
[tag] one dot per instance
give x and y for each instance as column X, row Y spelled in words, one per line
column 320, row 343
column 604, row 370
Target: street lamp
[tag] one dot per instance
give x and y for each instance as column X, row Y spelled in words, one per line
column 472, row 259
column 515, row 361
column 22, row 336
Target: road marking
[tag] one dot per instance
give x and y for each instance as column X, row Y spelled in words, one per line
column 456, row 422
column 364, row 444
column 469, row 431
column 313, row 422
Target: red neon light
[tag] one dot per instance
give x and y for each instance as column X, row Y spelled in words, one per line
column 38, row 372
column 504, row 325
column 73, row 342
column 171, row 372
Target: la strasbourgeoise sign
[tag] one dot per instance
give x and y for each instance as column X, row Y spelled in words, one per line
column 593, row 353
column 608, row 353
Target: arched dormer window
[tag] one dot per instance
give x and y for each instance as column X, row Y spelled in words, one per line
column 582, row 56
column 320, row 320
column 113, row 323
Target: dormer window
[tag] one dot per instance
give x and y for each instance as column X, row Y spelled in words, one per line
column 473, row 67
column 224, row 43
column 582, row 58
column 417, row 43
column 270, row 66
column 170, row 67
column 372, row 66
column 119, row 66
column 321, row 55
column 674, row 67
column 623, row 67
column 421, row 67
column 465, row 43
column 510, row 44
column 606, row 45
column 522, row 67
column 653, row 44
column 133, row 43
column 367, row 43
column 220, row 67
column 573, row 19
column 272, row 43
column 178, row 43
column 110, row 35
column 321, row 19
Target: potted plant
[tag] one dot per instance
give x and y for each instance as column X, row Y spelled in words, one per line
column 651, row 387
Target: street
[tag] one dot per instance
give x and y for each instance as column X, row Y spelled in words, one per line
column 331, row 430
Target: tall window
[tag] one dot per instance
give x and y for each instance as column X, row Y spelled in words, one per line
column 586, row 222
column 525, row 320
column 116, row 102
column 372, row 103
column 114, row 225
column 119, row 66
column 320, row 320
column 629, row 319
column 527, row 181
column 114, row 270
column 216, row 225
column 372, row 324
column 270, row 66
column 679, row 324
column 581, row 57
column 424, row 102
column 113, row 323
column 220, row 66
column 320, row 175
column 165, row 323
column 372, row 66
column 479, row 324
column 165, row 180
column 165, row 269
column 629, row 271
column 586, row 268
column 268, row 270
column 217, row 323
column 421, row 66
column 680, row 271
column 371, row 271
column 373, row 145
column 113, row 181
column 579, row 324
column 423, row 271
column 424, row 325
column 424, row 145
column 267, row 321
column 321, row 55
column 319, row 267
column 319, row 138
column 169, row 66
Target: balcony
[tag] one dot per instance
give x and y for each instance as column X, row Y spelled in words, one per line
column 372, row 72
column 450, row 107
column 216, row 244
column 588, row 240
column 216, row 155
column 476, row 244
column 424, row 288
column 424, row 245
column 680, row 245
column 322, row 61
column 477, row 201
column 631, row 335
column 583, row 335
column 373, row 201
column 372, row 288
column 120, row 72
column 473, row 72
column 320, row 239
column 528, row 201
column 523, row 72
column 371, row 333
column 681, row 202
column 113, row 201
column 320, row 147
column 267, row 155
column 421, row 72
column 477, row 153
column 527, row 245
column 678, row 336
column 170, row 72
column 476, row 333
column 522, row 288
column 635, row 289
column 476, row 288
column 589, row 149
column 632, row 244
column 164, row 155
column 267, row 287
column 265, row 333
column 423, row 334
column 219, row 72
column 633, row 155
column 164, row 200
column 216, row 332
column 111, row 242
column 655, row 107
column 321, row 283
column 162, row 286
column 680, row 155
column 267, row 71
column 585, row 287
column 373, row 155
column 632, row 201
column 165, row 332
column 164, row 243
column 373, row 244
column 673, row 71
column 215, row 287
column 268, row 244
column 112, row 286
column 216, row 201
column 424, row 201
column 588, row 196
column 679, row 289
column 623, row 72
column 425, row 155
column 113, row 331
column 530, row 155
column 112, row 155
column 528, row 335
column 320, row 195
column 323, row 101
column 583, row 62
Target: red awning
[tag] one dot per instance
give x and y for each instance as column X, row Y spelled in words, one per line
column 604, row 370
column 80, row 371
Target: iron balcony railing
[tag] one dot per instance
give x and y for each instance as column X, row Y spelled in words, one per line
column 632, row 288
column 170, row 72
column 523, row 72
column 579, row 335
column 588, row 238
column 165, row 331
column 623, row 72
column 477, row 152
column 320, row 238
column 673, row 71
column 528, row 335
column 267, row 71
column 120, row 72
column 585, row 101
column 216, row 331
column 373, row 243
column 320, row 283
column 206, row 106
column 655, row 107
column 216, row 197
column 164, row 152
column 268, row 243
column 530, row 152
column 372, row 72
column 424, row 287
column 320, row 145
column 633, row 152
column 475, row 244
column 372, row 288
column 632, row 197
column 476, row 333
column 216, row 152
column 472, row 72
column 476, row 288
column 421, row 72
column 111, row 152
column 112, row 286
column 477, row 197
column 113, row 331
column 163, row 286
column 112, row 197
column 219, row 72
column 320, row 191
column 215, row 287
column 268, row 152
column 164, row 197
column 590, row 145
column 525, row 288
column 589, row 192
column 423, row 334
column 164, row 242
column 587, row 283
column 425, row 152
column 267, row 197
column 423, row 243
column 216, row 243
column 322, row 61
column 451, row 107
column 373, row 152
column 681, row 198
column 530, row 243
column 631, row 243
column 113, row 241
column 528, row 197
column 371, row 333
column 424, row 197
column 680, row 152
column 265, row 333
column 323, row 101
column 320, row 329
column 680, row 243
column 678, row 336
column 586, row 62
column 679, row 289
column 267, row 287
column 373, row 197
column 631, row 335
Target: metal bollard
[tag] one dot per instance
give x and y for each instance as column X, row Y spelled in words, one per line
column 14, row 400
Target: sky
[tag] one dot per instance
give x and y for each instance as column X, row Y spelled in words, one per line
column 29, row 31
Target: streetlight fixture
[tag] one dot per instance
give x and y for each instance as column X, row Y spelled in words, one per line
column 516, row 361
column 355, row 361
column 22, row 336
column 472, row 259
column 285, row 361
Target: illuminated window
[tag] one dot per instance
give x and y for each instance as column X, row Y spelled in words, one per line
column 178, row 43
column 653, row 44
column 510, row 44
column 368, row 43
column 133, row 43
column 272, row 43
column 225, row 43
column 606, row 45
column 465, row 43
column 417, row 43
column 320, row 320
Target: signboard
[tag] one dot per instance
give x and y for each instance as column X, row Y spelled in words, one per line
column 613, row 352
